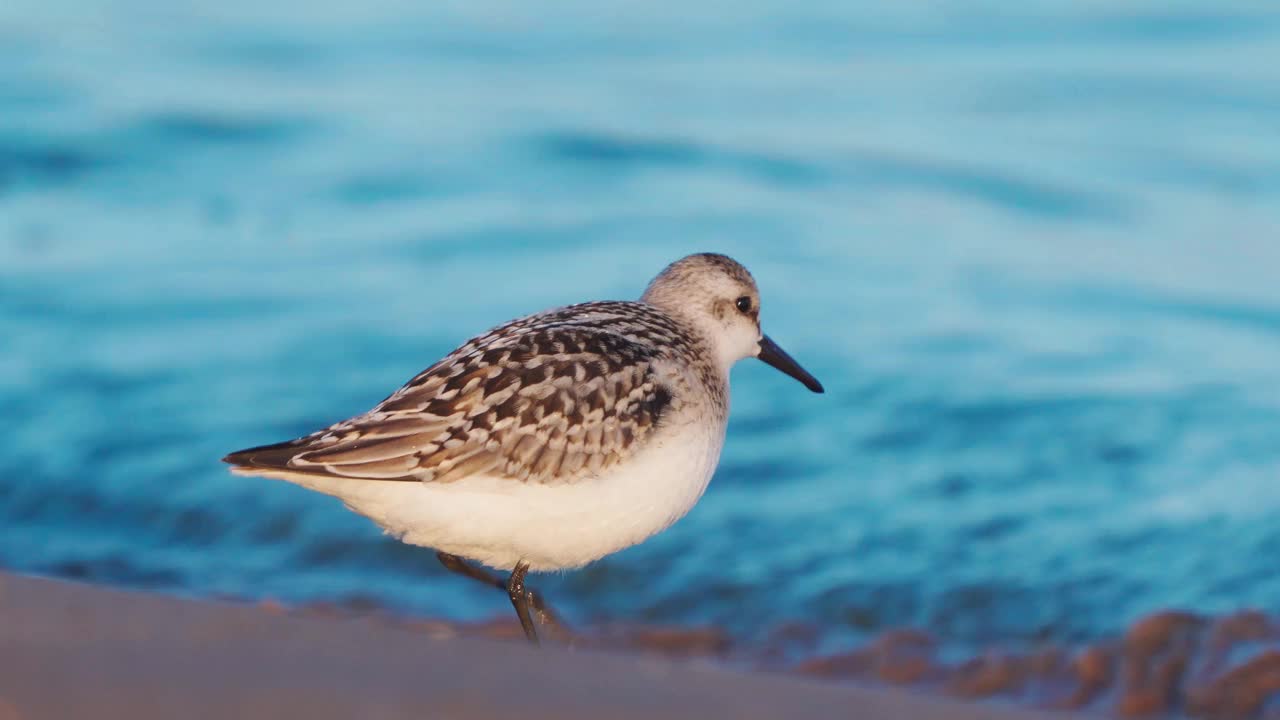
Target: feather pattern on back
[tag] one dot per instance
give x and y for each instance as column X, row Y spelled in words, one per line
column 550, row 398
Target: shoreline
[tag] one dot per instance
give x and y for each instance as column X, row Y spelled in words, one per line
column 75, row 650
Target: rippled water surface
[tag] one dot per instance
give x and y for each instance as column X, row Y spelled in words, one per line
column 1032, row 249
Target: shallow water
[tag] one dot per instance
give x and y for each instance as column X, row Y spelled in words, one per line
column 1030, row 248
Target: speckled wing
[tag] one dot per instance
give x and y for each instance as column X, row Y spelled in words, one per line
column 532, row 401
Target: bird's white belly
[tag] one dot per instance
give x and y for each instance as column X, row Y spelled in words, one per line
column 499, row 521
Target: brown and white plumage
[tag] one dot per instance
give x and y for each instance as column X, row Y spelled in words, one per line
column 553, row 439
column 550, row 398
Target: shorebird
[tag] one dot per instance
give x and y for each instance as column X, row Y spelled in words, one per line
column 553, row 440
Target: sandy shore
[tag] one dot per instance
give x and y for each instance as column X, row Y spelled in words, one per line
column 72, row 651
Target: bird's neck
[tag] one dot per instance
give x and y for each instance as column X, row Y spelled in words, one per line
column 705, row 358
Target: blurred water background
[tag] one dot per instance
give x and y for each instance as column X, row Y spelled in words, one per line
column 1031, row 248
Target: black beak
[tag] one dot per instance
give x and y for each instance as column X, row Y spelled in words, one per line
column 777, row 357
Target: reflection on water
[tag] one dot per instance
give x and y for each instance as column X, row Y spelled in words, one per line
column 1030, row 250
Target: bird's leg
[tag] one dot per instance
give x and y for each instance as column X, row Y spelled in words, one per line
column 460, row 566
column 532, row 598
column 520, row 600
column 547, row 616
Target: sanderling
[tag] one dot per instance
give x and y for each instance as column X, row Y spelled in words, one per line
column 551, row 441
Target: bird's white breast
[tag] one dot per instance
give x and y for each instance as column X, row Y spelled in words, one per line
column 499, row 521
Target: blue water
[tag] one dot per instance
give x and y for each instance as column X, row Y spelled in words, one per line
column 1031, row 248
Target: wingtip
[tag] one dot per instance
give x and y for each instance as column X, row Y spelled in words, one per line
column 239, row 457
column 264, row 456
column 246, row 471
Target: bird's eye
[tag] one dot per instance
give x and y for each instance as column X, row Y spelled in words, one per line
column 744, row 304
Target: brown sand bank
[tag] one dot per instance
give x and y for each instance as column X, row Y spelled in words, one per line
column 1169, row 664
column 77, row 651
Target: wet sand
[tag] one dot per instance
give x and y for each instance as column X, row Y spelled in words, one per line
column 69, row 650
